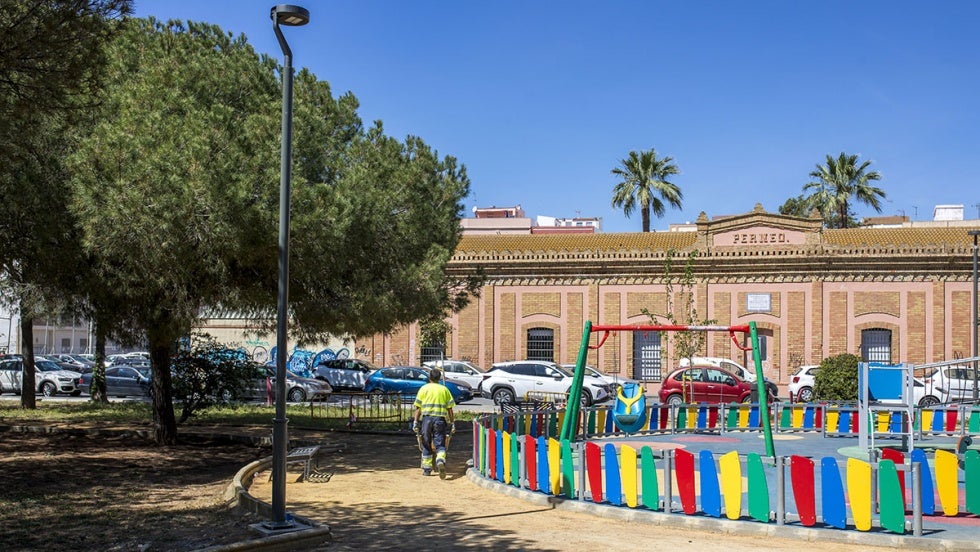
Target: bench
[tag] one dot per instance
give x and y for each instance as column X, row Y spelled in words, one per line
column 301, row 455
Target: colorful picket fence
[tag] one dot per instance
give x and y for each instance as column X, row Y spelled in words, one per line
column 733, row 486
column 831, row 420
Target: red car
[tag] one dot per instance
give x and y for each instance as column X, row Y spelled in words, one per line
column 704, row 384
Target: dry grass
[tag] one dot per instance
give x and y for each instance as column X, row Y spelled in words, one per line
column 63, row 492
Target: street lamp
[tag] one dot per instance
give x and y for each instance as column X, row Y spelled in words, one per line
column 293, row 16
column 976, row 323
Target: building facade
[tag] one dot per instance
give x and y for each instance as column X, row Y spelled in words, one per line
column 891, row 294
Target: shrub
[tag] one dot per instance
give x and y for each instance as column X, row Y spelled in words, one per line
column 209, row 374
column 837, row 379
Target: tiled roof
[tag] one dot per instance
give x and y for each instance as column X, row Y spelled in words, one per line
column 898, row 236
column 631, row 241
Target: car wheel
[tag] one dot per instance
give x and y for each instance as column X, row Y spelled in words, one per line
column 296, row 394
column 49, row 389
column 377, row 396
column 675, row 400
column 804, row 395
column 928, row 401
column 586, row 398
column 503, row 395
column 772, row 389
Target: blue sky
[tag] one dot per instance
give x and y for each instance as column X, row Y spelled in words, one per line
column 541, row 99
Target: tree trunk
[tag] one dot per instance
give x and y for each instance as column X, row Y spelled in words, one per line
column 161, row 350
column 98, row 388
column 645, row 216
column 28, row 379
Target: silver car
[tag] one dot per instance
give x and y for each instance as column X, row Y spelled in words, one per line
column 298, row 389
column 458, row 371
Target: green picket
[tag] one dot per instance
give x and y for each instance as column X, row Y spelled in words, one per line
column 731, row 422
column 785, row 418
column 971, row 465
column 681, row 421
column 650, row 487
column 515, row 462
column 567, row 470
column 891, row 504
column 758, row 488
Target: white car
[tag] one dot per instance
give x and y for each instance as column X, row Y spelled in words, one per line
column 510, row 382
column 801, row 383
column 950, row 383
column 49, row 378
column 740, row 371
column 459, row 371
column 611, row 381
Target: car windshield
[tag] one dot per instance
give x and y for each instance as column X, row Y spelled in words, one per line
column 562, row 370
column 46, row 366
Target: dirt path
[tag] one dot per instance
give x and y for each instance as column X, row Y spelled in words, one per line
column 377, row 499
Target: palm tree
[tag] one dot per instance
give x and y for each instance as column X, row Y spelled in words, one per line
column 644, row 184
column 840, row 180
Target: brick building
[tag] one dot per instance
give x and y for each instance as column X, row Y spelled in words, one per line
column 894, row 294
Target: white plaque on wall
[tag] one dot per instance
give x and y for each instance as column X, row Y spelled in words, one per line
column 758, row 302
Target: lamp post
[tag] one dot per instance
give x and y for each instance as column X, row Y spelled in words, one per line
column 293, row 16
column 976, row 323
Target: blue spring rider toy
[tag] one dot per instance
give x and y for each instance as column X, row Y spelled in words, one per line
column 630, row 412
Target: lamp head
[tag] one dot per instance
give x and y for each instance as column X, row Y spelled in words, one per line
column 290, row 15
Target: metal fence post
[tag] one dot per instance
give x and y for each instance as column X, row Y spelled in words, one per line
column 780, row 490
column 917, row 499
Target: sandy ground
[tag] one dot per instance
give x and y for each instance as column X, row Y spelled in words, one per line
column 376, row 498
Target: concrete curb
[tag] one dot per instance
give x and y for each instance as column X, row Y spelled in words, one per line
column 700, row 523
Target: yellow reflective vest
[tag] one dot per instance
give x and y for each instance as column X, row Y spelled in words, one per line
column 434, row 399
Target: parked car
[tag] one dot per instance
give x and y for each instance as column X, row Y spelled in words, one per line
column 407, row 380
column 120, row 381
column 76, row 360
column 950, row 383
column 50, row 379
column 458, row 371
column 510, row 382
column 704, row 384
column 344, row 374
column 136, row 362
column 611, row 381
column 298, row 388
column 801, row 383
column 740, row 371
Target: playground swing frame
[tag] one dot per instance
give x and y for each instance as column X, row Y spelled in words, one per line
column 570, row 426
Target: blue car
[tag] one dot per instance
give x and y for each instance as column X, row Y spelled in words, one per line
column 407, row 380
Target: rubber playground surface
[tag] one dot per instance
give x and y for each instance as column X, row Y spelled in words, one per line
column 961, row 527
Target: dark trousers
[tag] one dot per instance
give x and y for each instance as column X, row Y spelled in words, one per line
column 433, row 435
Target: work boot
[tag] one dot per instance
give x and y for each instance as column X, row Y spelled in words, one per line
column 441, row 468
column 426, row 472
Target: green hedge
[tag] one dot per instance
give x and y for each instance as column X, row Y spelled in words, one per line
column 837, row 379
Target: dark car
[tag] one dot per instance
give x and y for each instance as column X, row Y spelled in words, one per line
column 704, row 384
column 121, row 381
column 407, row 380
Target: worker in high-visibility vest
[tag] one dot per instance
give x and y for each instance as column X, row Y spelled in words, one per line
column 434, row 407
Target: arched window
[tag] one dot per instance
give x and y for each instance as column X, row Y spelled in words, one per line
column 876, row 345
column 541, row 344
